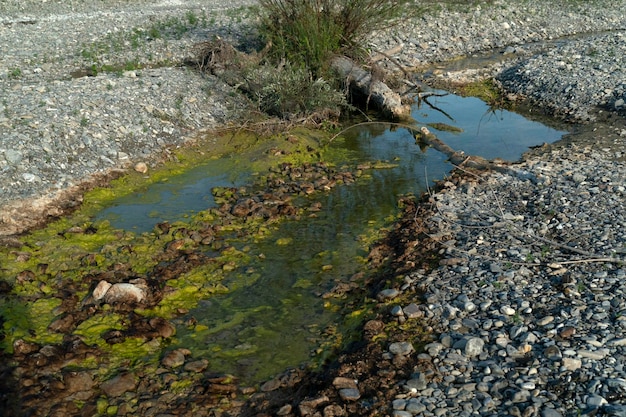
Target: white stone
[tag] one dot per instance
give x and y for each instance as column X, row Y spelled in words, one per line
column 124, row 293
column 101, row 289
column 474, row 346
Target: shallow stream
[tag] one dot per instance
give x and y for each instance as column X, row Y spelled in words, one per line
column 273, row 315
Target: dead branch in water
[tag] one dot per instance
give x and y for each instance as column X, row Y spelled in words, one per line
column 459, row 159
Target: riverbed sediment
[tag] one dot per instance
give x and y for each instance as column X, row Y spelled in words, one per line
column 526, row 302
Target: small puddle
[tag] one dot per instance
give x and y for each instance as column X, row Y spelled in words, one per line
column 273, row 316
column 175, row 199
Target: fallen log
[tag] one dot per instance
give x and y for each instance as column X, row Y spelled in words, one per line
column 373, row 92
column 461, row 160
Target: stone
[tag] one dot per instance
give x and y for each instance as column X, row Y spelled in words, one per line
column 474, row 346
column 553, row 353
column 618, row 410
column 401, row 348
column 349, row 394
column 413, row 311
column 596, row 401
column 593, row 354
column 397, row 311
column 119, row 384
column 101, row 289
column 124, row 293
column 618, row 384
column 284, row 410
column 313, row 403
column 571, row 364
column 550, row 412
column 417, row 382
column 520, row 396
column 175, row 358
column 196, row 366
column 415, row 407
column 507, row 310
column 271, row 385
column 399, row 404
column 388, row 294
column 343, row 382
column 13, row 157
column 567, row 332
column 22, row 347
column 334, row 410
column 164, row 328
column 618, row 341
column 77, row 381
column 545, row 320
column 141, row 167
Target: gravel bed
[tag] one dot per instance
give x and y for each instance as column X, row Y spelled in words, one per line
column 574, row 78
column 529, row 299
column 58, row 127
column 542, row 52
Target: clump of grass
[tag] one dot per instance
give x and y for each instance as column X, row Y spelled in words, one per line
column 486, row 90
column 15, row 73
column 286, row 91
column 311, row 31
column 292, row 93
column 290, row 77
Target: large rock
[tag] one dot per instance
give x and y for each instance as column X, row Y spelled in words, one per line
column 120, row 293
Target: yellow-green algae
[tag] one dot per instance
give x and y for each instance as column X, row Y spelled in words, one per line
column 486, row 90
column 73, row 247
column 29, row 321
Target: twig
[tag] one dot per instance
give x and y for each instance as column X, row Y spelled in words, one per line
column 432, row 106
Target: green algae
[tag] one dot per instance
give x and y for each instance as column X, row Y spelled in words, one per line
column 28, row 321
column 92, row 329
column 486, row 90
column 75, row 247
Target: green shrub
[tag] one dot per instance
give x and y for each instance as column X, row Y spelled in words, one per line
column 311, row 31
column 292, row 93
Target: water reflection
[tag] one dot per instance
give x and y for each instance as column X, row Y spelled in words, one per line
column 487, row 132
column 273, row 315
column 174, row 199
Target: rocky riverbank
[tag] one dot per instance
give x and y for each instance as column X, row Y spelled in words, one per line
column 506, row 296
column 88, row 87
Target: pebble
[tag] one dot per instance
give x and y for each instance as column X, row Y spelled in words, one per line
column 527, row 330
column 401, row 348
column 388, row 294
column 175, row 358
column 349, row 394
column 119, row 384
column 125, row 293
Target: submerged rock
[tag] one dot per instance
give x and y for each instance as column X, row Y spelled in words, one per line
column 118, row 385
column 175, row 358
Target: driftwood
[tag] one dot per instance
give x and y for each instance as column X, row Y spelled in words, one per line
column 374, row 92
column 461, row 160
